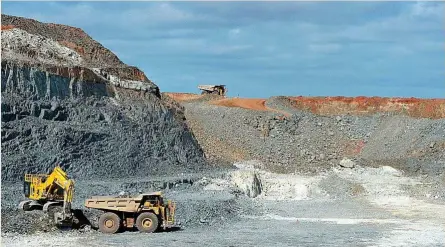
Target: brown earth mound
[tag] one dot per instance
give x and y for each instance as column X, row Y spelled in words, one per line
column 251, row 104
column 183, row 96
column 7, row 27
column 338, row 105
column 414, row 107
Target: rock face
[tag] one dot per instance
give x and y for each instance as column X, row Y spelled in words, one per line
column 66, row 98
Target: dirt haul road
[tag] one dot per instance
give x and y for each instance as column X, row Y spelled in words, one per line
column 251, row 207
column 250, row 104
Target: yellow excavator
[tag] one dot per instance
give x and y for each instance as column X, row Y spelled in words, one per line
column 51, row 193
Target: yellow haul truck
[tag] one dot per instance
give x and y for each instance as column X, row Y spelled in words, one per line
column 148, row 212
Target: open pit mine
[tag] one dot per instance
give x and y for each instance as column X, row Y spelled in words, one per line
column 93, row 142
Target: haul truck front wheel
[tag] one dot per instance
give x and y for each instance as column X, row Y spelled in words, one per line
column 147, row 222
column 109, row 222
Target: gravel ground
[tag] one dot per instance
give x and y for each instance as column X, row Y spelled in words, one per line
column 177, row 188
column 398, row 214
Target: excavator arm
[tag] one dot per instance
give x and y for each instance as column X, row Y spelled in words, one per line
column 48, row 187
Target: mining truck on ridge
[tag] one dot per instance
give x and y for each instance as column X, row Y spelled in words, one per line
column 213, row 89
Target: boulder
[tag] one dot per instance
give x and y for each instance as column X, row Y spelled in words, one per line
column 248, row 182
column 347, row 163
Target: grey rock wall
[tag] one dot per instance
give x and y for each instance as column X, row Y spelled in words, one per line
column 96, row 130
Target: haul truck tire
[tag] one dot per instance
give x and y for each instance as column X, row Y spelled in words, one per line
column 109, row 223
column 147, row 222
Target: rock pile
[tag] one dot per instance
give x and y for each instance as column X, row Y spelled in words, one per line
column 305, row 142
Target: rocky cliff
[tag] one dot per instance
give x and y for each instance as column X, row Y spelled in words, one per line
column 68, row 99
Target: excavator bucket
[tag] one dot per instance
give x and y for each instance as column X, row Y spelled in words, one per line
column 62, row 221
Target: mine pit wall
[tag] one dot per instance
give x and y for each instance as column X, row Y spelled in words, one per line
column 62, row 83
column 96, row 129
column 308, row 142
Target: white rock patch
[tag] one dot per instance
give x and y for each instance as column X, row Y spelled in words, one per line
column 19, row 44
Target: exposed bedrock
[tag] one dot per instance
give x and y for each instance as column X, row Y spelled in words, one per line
column 96, row 129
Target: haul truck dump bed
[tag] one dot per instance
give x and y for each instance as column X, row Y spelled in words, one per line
column 148, row 212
